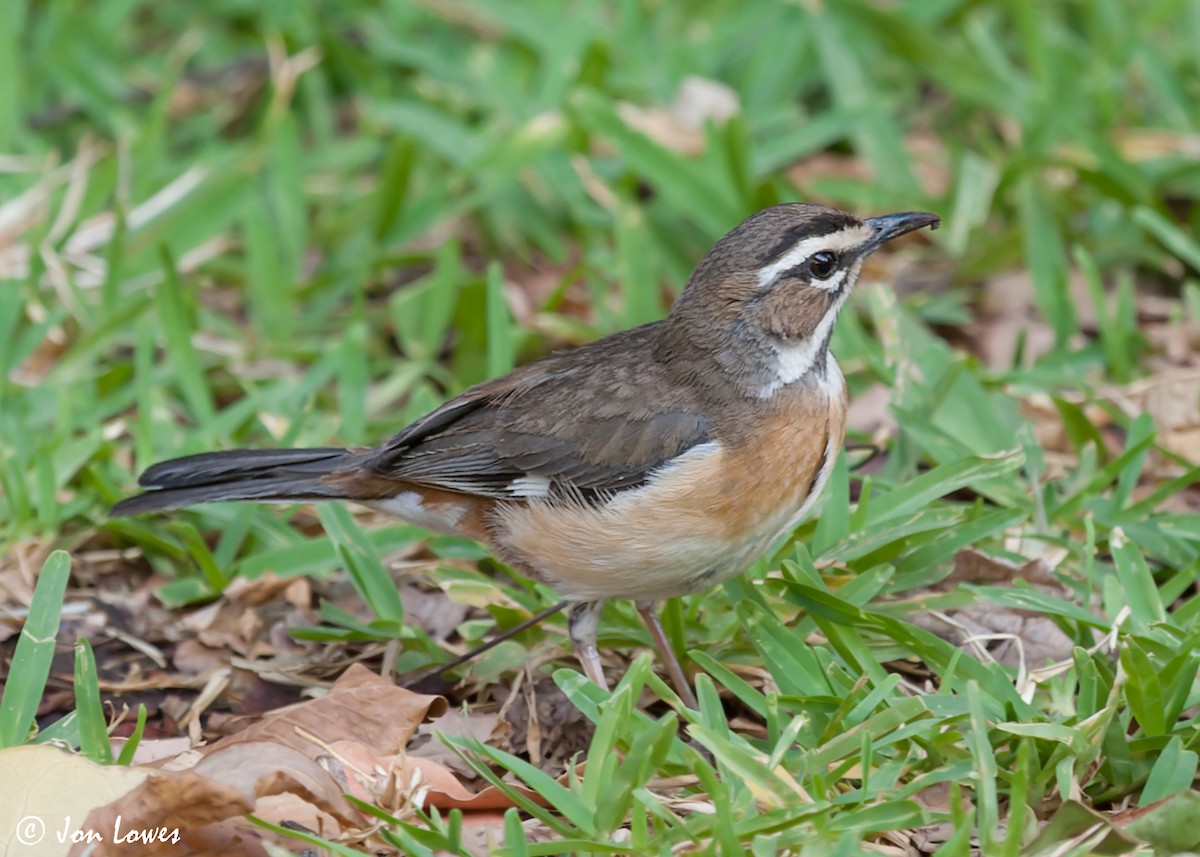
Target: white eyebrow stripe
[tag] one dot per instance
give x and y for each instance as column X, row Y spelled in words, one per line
column 836, row 242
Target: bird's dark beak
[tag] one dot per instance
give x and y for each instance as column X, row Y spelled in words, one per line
column 889, row 226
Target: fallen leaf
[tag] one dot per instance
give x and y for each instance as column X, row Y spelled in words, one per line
column 419, row 780
column 1171, row 825
column 870, row 414
column 258, row 590
column 227, row 624
column 1170, row 396
column 1006, row 317
column 1009, row 635
column 483, row 726
column 361, row 706
column 153, row 750
column 262, row 768
column 1144, row 144
column 1078, row 829
column 292, row 810
column 680, row 127
column 1172, row 399
column 170, row 813
column 45, row 791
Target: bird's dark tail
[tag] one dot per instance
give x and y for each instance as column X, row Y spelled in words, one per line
column 262, row 475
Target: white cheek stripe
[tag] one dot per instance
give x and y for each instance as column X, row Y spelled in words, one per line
column 838, row 242
column 794, row 360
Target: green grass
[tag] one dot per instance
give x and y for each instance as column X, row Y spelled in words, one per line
column 221, row 250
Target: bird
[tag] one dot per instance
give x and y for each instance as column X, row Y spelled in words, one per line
column 651, row 463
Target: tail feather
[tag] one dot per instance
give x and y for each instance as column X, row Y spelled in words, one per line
column 236, row 464
column 263, row 475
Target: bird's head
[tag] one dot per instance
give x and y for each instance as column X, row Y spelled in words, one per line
column 764, row 300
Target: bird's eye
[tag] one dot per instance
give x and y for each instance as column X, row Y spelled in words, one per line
column 823, row 264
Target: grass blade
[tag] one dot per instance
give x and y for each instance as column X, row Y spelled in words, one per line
column 34, row 652
column 93, row 727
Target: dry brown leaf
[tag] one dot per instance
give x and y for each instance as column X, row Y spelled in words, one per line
column 192, row 657
column 371, row 777
column 927, row 153
column 1007, row 315
column 361, row 706
column 457, row 723
column 1144, row 144
column 262, row 768
column 681, row 126
column 231, row 625
column 927, row 840
column 153, row 749
column 446, row 792
column 1177, row 340
column 18, row 572
column 483, row 726
column 432, row 611
column 483, row 832
column 45, row 791
column 141, row 613
column 395, row 781
column 61, row 803
column 869, row 413
column 972, row 566
column 296, row 812
column 173, row 811
column 1171, row 397
column 259, row 590
column 930, row 161
column 827, row 165
column 383, row 780
column 1010, row 636
column 195, row 803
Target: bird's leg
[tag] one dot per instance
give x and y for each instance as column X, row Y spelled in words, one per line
column 485, row 646
column 583, row 623
column 674, row 668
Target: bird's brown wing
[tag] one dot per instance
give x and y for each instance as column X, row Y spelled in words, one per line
column 585, row 423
